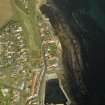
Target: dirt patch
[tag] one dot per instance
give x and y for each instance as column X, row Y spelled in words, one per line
column 5, row 11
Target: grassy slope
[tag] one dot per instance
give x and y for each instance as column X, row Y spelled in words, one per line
column 29, row 24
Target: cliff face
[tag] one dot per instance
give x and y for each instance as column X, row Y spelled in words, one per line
column 83, row 42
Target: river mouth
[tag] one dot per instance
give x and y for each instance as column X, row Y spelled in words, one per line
column 5, row 11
